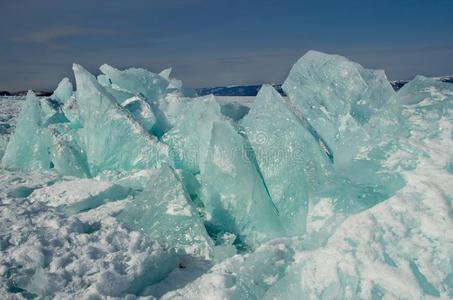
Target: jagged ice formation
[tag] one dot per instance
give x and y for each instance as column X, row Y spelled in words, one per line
column 132, row 186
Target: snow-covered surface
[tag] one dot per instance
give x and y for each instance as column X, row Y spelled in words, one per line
column 154, row 232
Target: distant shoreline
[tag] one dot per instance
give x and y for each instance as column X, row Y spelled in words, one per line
column 240, row 90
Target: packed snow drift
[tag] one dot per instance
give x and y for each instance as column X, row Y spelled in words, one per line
column 128, row 185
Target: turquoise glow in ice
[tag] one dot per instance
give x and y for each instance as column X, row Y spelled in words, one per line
column 113, row 140
column 165, row 212
column 27, row 149
column 129, row 187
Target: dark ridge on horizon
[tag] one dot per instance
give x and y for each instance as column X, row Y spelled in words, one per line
column 239, row 90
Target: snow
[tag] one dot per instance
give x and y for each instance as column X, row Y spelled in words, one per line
column 341, row 190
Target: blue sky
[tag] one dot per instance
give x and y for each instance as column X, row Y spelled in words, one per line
column 215, row 43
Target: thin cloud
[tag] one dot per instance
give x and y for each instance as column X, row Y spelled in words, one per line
column 51, row 35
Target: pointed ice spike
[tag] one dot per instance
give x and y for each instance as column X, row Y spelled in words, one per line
column 166, row 73
column 174, row 83
column 63, row 91
column 234, row 195
column 113, row 140
column 28, row 147
column 189, row 137
column 290, row 159
column 164, row 211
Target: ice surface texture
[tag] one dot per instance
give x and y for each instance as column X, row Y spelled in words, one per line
column 27, row 148
column 130, row 187
column 112, row 138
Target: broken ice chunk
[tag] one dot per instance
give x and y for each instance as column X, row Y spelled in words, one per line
column 79, row 195
column 141, row 111
column 63, row 91
column 118, row 94
column 104, row 80
column 136, row 80
column 336, row 96
column 174, row 83
column 67, row 155
column 291, row 161
column 164, row 211
column 234, row 194
column 173, row 106
column 377, row 94
column 122, row 95
column 72, row 113
column 51, row 112
column 189, row 137
column 113, row 140
column 28, row 149
column 424, row 89
column 421, row 106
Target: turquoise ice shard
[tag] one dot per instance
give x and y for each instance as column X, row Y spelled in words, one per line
column 174, row 83
column 63, row 91
column 136, row 80
column 173, row 106
column 51, row 112
column 189, row 137
column 336, row 96
column 27, row 149
column 377, row 93
column 71, row 111
column 113, row 140
column 119, row 95
column 164, row 211
column 424, row 89
column 166, row 73
column 421, row 105
column 68, row 157
column 133, row 83
column 104, row 80
column 234, row 194
column 141, row 111
column 293, row 165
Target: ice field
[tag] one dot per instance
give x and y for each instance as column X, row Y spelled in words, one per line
column 127, row 185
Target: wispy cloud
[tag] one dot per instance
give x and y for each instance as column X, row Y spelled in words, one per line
column 52, row 35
